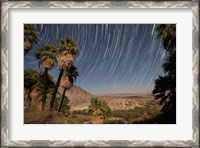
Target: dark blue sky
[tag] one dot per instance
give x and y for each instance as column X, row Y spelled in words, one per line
column 114, row 58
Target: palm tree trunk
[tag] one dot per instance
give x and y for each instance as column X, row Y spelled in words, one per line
column 63, row 96
column 27, row 46
column 56, row 89
column 29, row 99
column 44, row 89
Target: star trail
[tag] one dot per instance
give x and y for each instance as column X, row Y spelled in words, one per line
column 114, row 58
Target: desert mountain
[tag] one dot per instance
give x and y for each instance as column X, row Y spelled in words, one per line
column 78, row 98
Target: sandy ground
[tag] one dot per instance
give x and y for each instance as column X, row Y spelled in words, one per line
column 119, row 102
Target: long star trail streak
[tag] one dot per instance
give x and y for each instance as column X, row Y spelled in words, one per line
column 114, row 58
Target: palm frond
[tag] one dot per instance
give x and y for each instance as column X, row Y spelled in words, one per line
column 45, row 56
column 167, row 33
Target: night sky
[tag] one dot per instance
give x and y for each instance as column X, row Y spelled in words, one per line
column 114, row 58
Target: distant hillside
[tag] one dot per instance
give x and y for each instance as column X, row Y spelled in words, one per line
column 127, row 95
column 79, row 98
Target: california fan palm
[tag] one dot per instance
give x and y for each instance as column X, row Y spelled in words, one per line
column 167, row 33
column 46, row 60
column 66, row 52
column 165, row 86
column 67, row 82
column 99, row 109
column 165, row 90
column 31, row 36
column 31, row 77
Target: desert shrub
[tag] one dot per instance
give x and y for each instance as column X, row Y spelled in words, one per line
column 138, row 113
column 82, row 112
column 126, row 114
column 147, row 110
column 99, row 107
column 75, row 120
column 65, row 107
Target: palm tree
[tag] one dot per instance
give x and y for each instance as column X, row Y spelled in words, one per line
column 31, row 77
column 40, row 85
column 65, row 105
column 165, row 86
column 66, row 53
column 99, row 109
column 167, row 33
column 165, row 90
column 31, row 36
column 67, row 82
column 169, row 65
column 46, row 60
column 40, row 89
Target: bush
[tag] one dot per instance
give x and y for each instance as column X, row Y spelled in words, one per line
column 75, row 120
column 82, row 112
column 65, row 107
column 99, row 107
column 126, row 114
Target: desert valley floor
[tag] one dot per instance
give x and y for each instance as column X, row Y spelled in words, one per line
column 126, row 108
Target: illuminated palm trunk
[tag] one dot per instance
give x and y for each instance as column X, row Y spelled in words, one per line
column 62, row 100
column 56, row 89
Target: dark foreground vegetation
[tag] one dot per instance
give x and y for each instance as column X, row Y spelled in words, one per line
column 97, row 113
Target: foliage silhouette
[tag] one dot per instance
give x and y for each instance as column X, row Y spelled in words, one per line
column 165, row 86
column 40, row 85
column 167, row 34
column 31, row 77
column 31, row 36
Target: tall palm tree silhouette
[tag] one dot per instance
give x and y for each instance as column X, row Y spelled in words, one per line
column 46, row 60
column 66, row 53
column 165, row 86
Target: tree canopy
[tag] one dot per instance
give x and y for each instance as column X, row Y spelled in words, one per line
column 99, row 107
